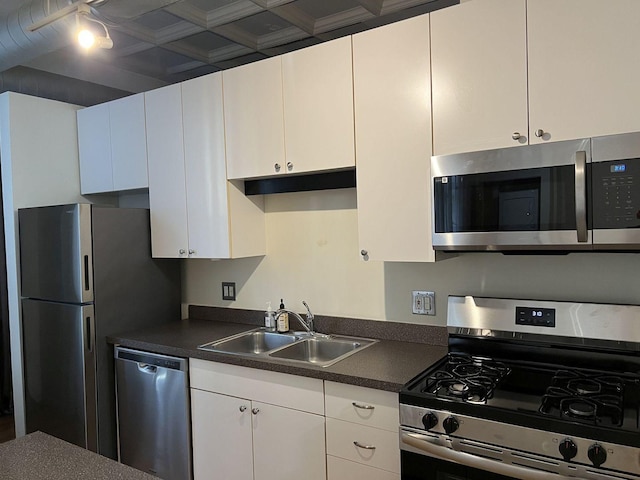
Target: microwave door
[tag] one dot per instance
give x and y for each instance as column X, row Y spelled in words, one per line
column 615, row 198
column 522, row 198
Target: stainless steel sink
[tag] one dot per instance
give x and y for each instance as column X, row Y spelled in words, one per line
column 321, row 350
column 253, row 342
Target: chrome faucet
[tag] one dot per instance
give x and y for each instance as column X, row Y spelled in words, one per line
column 306, row 324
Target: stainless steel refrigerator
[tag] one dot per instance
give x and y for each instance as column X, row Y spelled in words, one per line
column 86, row 273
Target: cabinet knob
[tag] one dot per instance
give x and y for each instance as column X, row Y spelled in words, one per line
column 539, row 133
column 182, row 251
column 255, row 410
column 364, row 253
column 242, row 408
column 516, row 135
column 191, row 251
column 276, row 167
column 289, row 166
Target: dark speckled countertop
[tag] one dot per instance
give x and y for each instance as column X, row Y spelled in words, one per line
column 39, row 456
column 404, row 350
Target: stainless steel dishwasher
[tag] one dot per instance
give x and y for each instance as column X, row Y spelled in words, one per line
column 154, row 428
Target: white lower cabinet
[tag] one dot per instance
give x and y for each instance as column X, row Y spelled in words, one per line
column 250, row 424
column 362, row 433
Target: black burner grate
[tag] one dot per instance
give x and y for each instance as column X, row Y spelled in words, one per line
column 466, row 378
column 585, row 398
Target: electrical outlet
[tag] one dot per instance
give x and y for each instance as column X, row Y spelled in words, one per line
column 423, row 303
column 228, row 290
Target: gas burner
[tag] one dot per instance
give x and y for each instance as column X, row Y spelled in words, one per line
column 467, row 370
column 584, row 386
column 582, row 409
column 458, row 389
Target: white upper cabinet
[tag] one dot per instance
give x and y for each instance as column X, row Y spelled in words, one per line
column 194, row 209
column 479, row 76
column 254, row 119
column 318, row 107
column 393, row 141
column 112, row 146
column 291, row 114
column 94, row 149
column 167, row 188
column 583, row 68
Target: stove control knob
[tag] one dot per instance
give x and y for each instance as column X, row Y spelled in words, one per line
column 450, row 425
column 568, row 449
column 429, row 420
column 597, row 454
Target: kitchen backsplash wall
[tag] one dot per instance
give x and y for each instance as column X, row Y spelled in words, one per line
column 313, row 255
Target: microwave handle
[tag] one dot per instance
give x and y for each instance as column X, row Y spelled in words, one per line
column 581, row 196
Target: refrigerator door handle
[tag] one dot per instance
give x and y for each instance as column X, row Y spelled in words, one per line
column 89, row 329
column 90, row 375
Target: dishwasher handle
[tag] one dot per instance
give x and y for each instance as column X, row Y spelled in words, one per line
column 150, row 362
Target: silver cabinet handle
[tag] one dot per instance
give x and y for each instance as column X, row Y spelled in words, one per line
column 516, row 135
column 242, row 408
column 192, row 252
column 255, row 410
column 366, row 447
column 539, row 133
column 362, row 406
column 182, row 251
column 276, row 167
column 364, row 253
column 581, row 196
column 289, row 166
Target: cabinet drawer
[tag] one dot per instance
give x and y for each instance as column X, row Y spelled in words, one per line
column 290, row 391
column 341, row 438
column 365, row 406
column 341, row 469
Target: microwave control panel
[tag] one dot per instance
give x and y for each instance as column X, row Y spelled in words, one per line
column 616, row 193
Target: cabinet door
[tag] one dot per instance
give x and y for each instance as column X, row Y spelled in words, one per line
column 583, row 68
column 128, row 143
column 253, row 118
column 205, row 168
column 222, row 444
column 479, row 76
column 393, row 140
column 94, row 149
column 167, row 191
column 318, row 107
column 287, row 444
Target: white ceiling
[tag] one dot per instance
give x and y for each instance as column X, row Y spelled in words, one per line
column 157, row 42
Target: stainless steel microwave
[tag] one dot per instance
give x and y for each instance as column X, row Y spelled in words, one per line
column 564, row 196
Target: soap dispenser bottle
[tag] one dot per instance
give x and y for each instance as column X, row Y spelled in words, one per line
column 283, row 319
column 269, row 318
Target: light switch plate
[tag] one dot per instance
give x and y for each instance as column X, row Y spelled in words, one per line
column 228, row 291
column 423, row 302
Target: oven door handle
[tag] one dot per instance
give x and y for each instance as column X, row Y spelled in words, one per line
column 424, row 443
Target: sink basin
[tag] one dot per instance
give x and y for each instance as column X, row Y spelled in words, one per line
column 254, row 342
column 322, row 351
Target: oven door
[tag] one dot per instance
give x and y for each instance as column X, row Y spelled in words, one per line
column 425, row 457
column 521, row 198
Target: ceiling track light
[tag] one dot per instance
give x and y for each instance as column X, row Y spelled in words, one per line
column 86, row 38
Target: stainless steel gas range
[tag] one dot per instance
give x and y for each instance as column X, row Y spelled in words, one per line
column 529, row 390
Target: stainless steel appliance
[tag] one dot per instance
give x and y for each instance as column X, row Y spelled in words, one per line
column 86, row 273
column 573, row 195
column 154, row 433
column 529, row 390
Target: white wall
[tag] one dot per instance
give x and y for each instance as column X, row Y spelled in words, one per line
column 312, row 255
column 39, row 161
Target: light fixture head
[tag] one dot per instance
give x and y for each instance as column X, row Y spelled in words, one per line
column 86, row 38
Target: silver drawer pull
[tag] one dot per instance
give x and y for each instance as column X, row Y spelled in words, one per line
column 366, row 447
column 363, row 407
